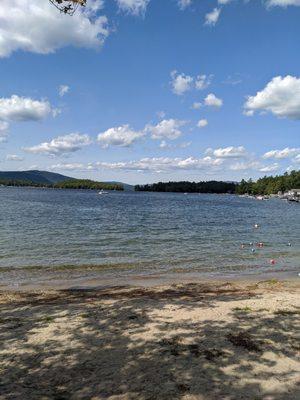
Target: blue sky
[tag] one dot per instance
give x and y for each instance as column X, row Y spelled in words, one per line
column 142, row 91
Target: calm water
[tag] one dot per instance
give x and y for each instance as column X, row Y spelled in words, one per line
column 144, row 233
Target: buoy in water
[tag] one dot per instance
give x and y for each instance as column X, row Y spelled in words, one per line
column 289, row 244
column 256, row 226
column 253, row 250
column 272, row 262
column 260, row 244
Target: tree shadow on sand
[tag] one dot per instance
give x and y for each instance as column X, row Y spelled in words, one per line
column 116, row 344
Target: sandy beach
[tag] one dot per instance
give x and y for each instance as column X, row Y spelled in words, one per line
column 206, row 340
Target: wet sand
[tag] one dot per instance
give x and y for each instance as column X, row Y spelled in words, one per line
column 204, row 340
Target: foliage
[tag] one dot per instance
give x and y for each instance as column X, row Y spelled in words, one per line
column 69, row 184
column 189, row 187
column 87, row 184
column 270, row 184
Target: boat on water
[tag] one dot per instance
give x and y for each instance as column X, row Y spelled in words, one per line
column 102, row 192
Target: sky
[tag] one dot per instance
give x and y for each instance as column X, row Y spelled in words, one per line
column 141, row 91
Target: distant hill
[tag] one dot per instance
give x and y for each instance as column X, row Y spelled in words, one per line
column 46, row 178
column 40, row 177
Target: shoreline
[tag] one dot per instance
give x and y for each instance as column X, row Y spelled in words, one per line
column 84, row 277
column 189, row 341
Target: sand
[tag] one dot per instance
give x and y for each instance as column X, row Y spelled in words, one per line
column 209, row 340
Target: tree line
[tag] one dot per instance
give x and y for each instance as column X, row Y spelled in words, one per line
column 270, row 184
column 263, row 186
column 69, row 184
column 189, row 187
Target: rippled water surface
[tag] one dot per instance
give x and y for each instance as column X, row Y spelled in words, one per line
column 146, row 232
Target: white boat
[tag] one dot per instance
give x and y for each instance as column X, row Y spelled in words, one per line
column 102, row 192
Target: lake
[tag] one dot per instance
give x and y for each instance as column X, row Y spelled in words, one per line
column 76, row 234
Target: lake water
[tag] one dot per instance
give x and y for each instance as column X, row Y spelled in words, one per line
column 78, row 234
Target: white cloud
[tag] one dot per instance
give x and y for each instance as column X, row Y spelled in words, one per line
column 19, row 109
column 36, row 26
column 122, row 136
column 223, row 2
column 134, row 7
column 253, row 165
column 202, row 123
column 212, row 17
column 63, row 89
column 244, row 166
column 196, row 105
column 14, row 157
column 281, row 97
column 213, row 101
column 69, row 167
column 61, row 145
column 297, row 158
column 165, row 145
column 162, row 164
column 166, row 129
column 203, row 81
column 183, row 4
column 228, row 152
column 4, row 126
column 281, row 154
column 270, row 168
column 282, row 3
column 181, row 83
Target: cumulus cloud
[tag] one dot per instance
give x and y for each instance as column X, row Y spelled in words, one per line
column 36, row 26
column 228, row 152
column 270, row 168
column 159, row 164
column 281, row 97
column 183, row 4
column 282, row 3
column 244, row 165
column 212, row 17
column 63, row 89
column 254, row 165
column 61, row 145
column 122, row 136
column 203, row 81
column 134, row 7
column 68, row 166
column 281, row 154
column 14, row 157
column 181, row 83
column 4, row 126
column 196, row 105
column 166, row 129
column 19, row 109
column 212, row 101
column 165, row 145
column 202, row 123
